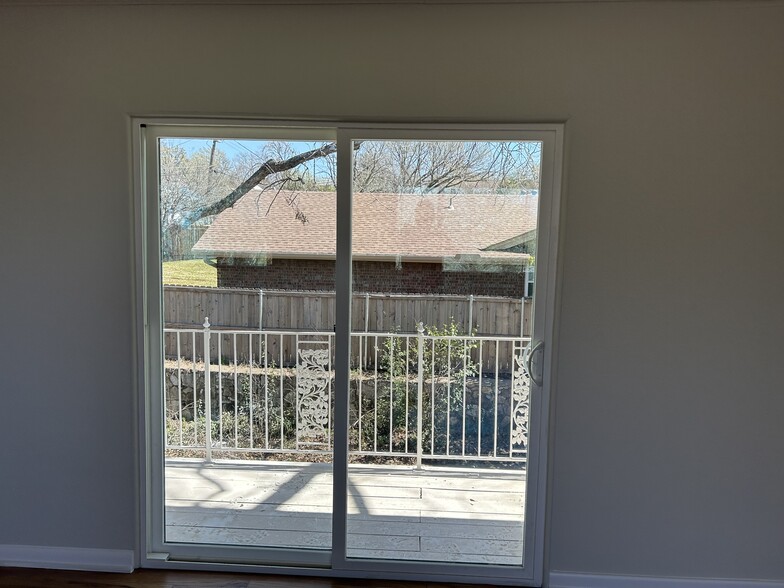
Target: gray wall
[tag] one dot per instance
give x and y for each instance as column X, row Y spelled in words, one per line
column 668, row 439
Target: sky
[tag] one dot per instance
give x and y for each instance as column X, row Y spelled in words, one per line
column 237, row 148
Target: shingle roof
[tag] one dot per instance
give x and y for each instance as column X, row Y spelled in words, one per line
column 428, row 227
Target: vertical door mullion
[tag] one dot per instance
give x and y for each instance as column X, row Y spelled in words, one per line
column 342, row 349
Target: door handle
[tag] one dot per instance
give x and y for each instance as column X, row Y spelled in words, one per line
column 528, row 361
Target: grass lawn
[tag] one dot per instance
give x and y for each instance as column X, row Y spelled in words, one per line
column 191, row 272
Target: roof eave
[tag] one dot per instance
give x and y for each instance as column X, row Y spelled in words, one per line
column 466, row 259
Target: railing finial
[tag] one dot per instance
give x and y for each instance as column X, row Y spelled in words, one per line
column 206, row 322
column 420, row 327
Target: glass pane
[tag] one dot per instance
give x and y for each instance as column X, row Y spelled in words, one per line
column 444, row 247
column 248, row 281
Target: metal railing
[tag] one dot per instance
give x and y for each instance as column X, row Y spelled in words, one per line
column 413, row 396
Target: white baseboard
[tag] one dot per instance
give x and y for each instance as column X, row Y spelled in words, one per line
column 573, row 580
column 67, row 558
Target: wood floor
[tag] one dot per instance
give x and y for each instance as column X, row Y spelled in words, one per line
column 399, row 513
column 25, row 578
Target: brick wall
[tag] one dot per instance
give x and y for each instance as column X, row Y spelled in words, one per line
column 370, row 276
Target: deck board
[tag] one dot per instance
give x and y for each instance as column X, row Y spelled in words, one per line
column 394, row 512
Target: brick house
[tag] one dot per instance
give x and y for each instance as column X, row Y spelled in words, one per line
column 402, row 243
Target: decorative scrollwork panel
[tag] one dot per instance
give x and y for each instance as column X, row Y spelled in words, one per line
column 313, row 397
column 521, row 395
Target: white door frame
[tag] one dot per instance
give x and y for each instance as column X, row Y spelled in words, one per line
column 154, row 552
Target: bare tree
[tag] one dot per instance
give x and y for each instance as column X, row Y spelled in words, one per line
column 268, row 168
column 432, row 167
column 188, row 181
column 382, row 166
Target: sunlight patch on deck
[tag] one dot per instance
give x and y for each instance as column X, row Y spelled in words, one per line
column 465, row 515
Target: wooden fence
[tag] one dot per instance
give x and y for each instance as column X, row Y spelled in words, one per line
column 227, row 308
column 185, row 306
column 177, row 242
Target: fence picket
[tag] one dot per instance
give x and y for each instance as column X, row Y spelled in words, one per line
column 187, row 306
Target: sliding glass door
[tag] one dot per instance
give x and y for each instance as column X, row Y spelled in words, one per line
column 346, row 346
column 241, row 437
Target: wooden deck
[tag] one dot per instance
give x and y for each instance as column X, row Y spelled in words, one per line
column 444, row 514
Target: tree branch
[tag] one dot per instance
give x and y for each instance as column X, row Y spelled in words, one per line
column 266, row 169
